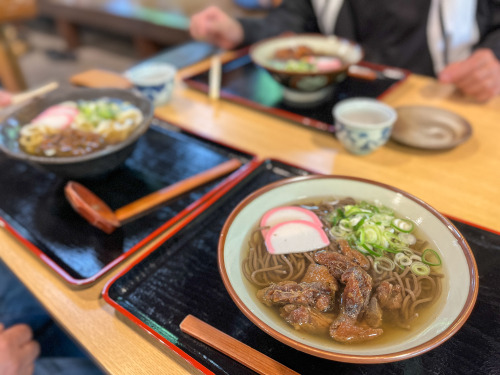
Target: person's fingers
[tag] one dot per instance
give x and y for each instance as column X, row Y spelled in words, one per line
column 30, row 351
column 196, row 25
column 19, row 334
column 213, row 13
column 214, row 26
column 28, row 354
column 458, row 71
column 200, row 22
column 5, row 99
column 482, row 85
column 27, row 370
column 477, row 77
column 195, row 30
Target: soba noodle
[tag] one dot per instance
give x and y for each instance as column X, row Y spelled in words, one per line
column 262, row 268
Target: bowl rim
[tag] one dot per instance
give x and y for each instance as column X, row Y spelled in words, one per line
column 344, row 357
column 341, row 69
column 365, row 102
column 46, row 160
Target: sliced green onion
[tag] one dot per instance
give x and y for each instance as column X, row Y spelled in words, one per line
column 359, row 224
column 352, row 210
column 345, row 225
column 371, row 234
column 425, row 257
column 384, row 264
column 375, row 230
column 420, row 269
column 382, row 219
column 403, row 225
column 407, row 238
column 407, row 251
column 355, row 220
column 402, row 259
column 384, row 248
column 370, row 250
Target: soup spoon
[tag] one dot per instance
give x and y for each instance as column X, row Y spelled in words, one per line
column 99, row 214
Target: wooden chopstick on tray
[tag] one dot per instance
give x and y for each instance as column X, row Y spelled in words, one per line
column 233, row 348
column 24, row 96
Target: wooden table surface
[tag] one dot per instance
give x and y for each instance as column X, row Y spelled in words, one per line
column 463, row 182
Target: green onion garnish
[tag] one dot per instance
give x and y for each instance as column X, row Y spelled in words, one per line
column 426, row 260
column 420, row 269
column 403, row 225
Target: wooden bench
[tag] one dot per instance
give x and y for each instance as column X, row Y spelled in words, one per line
column 152, row 24
column 11, row 76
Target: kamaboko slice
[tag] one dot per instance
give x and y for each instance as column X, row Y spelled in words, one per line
column 283, row 214
column 296, row 236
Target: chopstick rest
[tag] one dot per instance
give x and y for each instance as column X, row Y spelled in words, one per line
column 233, row 348
column 100, row 215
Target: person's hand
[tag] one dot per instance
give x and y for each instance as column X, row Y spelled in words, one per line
column 5, row 99
column 213, row 26
column 477, row 76
column 18, row 351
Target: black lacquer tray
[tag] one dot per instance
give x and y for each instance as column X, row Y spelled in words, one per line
column 181, row 277
column 33, row 206
column 247, row 84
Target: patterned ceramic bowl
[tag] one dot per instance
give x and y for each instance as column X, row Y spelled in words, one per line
column 154, row 80
column 363, row 124
column 307, row 86
column 88, row 165
column 449, row 312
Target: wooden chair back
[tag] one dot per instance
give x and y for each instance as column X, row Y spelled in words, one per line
column 14, row 10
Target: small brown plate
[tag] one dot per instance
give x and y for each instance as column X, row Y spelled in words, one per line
column 430, row 128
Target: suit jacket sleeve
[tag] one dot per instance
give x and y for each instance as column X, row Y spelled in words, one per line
column 488, row 17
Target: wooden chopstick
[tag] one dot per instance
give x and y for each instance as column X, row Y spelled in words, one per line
column 19, row 98
column 233, row 348
column 161, row 196
column 214, row 79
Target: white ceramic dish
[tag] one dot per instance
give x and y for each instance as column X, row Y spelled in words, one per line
column 430, row 128
column 459, row 290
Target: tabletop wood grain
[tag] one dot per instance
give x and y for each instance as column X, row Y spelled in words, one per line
column 462, row 182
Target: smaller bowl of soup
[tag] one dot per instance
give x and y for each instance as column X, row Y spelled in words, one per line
column 76, row 132
column 347, row 269
column 307, row 66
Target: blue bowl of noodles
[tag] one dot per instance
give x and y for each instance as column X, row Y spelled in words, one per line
column 75, row 132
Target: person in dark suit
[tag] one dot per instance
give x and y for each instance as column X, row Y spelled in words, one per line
column 457, row 41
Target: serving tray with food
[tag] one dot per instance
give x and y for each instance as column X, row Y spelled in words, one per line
column 48, row 213
column 264, row 84
column 275, row 297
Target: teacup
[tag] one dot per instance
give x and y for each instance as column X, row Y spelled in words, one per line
column 363, row 124
column 154, row 80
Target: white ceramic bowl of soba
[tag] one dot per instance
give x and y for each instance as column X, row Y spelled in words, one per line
column 459, row 289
